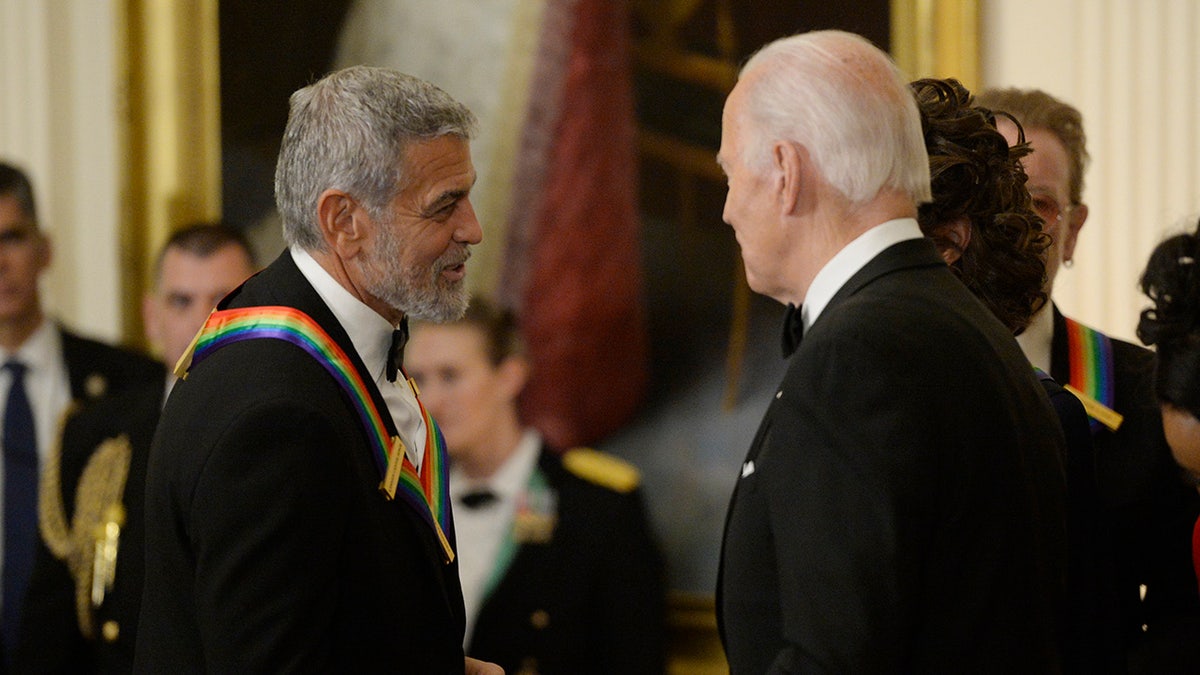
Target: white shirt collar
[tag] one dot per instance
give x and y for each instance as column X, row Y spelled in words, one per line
column 370, row 333
column 1036, row 340
column 41, row 351
column 852, row 258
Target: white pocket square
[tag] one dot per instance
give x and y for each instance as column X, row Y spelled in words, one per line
column 748, row 468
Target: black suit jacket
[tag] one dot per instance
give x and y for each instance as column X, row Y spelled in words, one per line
column 902, row 506
column 269, row 547
column 589, row 600
column 51, row 638
column 1151, row 511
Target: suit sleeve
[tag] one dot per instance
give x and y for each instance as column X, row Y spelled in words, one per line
column 266, row 518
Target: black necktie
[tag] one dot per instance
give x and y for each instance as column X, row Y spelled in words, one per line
column 478, row 499
column 396, row 350
column 20, row 502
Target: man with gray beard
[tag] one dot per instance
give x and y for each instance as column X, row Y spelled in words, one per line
column 297, row 514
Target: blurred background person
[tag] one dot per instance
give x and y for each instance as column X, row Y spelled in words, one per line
column 1172, row 324
column 98, row 481
column 559, row 567
column 44, row 368
column 1151, row 510
column 982, row 220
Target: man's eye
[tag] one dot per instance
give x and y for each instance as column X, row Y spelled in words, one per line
column 13, row 236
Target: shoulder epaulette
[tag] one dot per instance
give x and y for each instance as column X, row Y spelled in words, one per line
column 604, row 470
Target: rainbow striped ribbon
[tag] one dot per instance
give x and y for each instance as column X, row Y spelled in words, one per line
column 425, row 491
column 1090, row 355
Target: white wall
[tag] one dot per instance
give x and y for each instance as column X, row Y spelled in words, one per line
column 58, row 120
column 1132, row 67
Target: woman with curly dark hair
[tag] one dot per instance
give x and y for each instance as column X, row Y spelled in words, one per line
column 1172, row 325
column 983, row 222
column 981, row 216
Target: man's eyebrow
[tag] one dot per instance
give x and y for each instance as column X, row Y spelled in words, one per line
column 447, row 198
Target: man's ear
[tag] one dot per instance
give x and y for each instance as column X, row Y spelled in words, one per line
column 45, row 250
column 1075, row 219
column 514, row 373
column 343, row 222
column 791, row 166
column 150, row 321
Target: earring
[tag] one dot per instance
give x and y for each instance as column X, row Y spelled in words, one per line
column 1069, row 263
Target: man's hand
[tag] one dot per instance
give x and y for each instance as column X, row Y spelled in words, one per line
column 477, row 667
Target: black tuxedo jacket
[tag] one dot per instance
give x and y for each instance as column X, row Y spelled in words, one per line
column 51, row 641
column 269, row 547
column 1151, row 511
column 902, row 506
column 589, row 600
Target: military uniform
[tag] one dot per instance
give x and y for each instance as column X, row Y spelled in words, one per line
column 95, row 371
column 66, row 630
column 582, row 589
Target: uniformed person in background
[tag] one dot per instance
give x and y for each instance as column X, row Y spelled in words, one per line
column 86, row 591
column 43, row 368
column 559, row 568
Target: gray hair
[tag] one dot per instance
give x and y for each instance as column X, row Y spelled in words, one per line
column 847, row 103
column 349, row 131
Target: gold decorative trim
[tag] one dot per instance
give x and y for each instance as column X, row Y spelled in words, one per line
column 937, row 38
column 170, row 73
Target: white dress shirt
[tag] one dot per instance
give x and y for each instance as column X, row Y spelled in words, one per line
column 371, row 335
column 481, row 531
column 848, row 261
column 1036, row 340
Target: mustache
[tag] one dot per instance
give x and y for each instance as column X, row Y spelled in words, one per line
column 453, row 257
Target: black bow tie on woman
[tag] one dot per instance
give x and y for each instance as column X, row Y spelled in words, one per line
column 396, row 350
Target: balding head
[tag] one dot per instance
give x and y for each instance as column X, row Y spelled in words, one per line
column 844, row 100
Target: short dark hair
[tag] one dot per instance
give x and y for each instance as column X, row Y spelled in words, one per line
column 1172, row 282
column 202, row 240
column 15, row 183
column 975, row 175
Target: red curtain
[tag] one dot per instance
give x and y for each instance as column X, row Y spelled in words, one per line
column 573, row 269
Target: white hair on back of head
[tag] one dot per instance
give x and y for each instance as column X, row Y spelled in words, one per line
column 847, row 103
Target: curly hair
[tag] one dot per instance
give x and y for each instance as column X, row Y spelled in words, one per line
column 975, row 175
column 1172, row 324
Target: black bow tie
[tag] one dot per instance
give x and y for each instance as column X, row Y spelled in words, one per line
column 396, row 350
column 793, row 330
column 478, row 499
